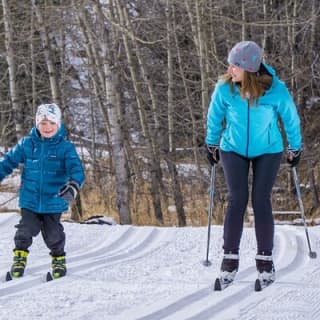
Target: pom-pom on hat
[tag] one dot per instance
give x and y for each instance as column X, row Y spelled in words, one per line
column 246, row 55
column 50, row 112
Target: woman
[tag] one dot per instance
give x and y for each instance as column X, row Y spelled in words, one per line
column 249, row 100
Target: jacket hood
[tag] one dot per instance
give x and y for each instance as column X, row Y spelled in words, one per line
column 273, row 74
column 270, row 70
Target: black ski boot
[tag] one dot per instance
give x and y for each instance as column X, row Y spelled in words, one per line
column 58, row 265
column 265, row 268
column 19, row 263
column 229, row 268
column 230, row 262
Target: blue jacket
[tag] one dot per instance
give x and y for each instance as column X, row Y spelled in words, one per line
column 48, row 164
column 253, row 130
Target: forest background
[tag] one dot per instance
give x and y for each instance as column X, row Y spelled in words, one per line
column 134, row 80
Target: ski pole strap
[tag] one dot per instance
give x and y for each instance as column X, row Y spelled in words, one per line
column 232, row 256
column 264, row 258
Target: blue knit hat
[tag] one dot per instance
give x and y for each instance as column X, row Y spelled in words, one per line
column 246, row 55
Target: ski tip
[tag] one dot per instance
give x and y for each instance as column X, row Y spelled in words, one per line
column 49, row 277
column 257, row 286
column 8, row 276
column 217, row 285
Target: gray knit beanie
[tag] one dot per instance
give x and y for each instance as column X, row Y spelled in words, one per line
column 246, row 55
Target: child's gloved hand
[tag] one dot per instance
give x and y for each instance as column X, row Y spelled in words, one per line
column 69, row 191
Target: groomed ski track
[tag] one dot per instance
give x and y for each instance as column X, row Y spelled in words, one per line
column 128, row 261
column 206, row 304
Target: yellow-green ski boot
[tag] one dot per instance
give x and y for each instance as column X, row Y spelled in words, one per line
column 59, row 268
column 19, row 263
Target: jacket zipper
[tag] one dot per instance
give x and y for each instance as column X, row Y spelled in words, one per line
column 248, row 128
column 41, row 176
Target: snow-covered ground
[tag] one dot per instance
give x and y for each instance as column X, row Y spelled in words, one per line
column 127, row 272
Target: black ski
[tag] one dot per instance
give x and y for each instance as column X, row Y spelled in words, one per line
column 9, row 277
column 259, row 285
column 220, row 284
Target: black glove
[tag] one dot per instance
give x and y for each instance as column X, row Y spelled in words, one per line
column 213, row 154
column 293, row 157
column 69, row 191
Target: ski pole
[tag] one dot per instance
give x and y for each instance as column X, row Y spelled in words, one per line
column 207, row 262
column 312, row 254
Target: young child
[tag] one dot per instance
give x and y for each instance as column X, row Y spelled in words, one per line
column 52, row 175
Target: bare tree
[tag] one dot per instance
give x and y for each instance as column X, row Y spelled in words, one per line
column 48, row 54
column 170, row 154
column 12, row 68
column 134, row 79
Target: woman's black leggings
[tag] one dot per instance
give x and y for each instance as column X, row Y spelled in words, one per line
column 264, row 173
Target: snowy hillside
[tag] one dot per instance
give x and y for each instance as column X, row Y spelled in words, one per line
column 126, row 272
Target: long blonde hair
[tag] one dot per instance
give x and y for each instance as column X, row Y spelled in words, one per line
column 253, row 86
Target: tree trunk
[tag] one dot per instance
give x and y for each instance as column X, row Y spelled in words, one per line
column 17, row 114
column 189, row 104
column 33, row 67
column 202, row 40
column 244, row 18
column 175, row 185
column 118, row 151
column 99, row 48
column 120, row 160
column 48, row 55
column 151, row 144
column 313, row 186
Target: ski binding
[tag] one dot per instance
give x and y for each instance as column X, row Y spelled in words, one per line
column 264, row 280
column 259, row 285
column 221, row 284
column 226, row 278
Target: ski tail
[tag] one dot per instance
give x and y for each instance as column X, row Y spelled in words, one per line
column 49, row 276
column 8, row 276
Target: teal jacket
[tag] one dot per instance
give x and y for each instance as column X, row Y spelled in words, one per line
column 251, row 131
column 47, row 164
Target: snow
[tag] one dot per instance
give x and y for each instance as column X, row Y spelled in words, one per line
column 129, row 272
